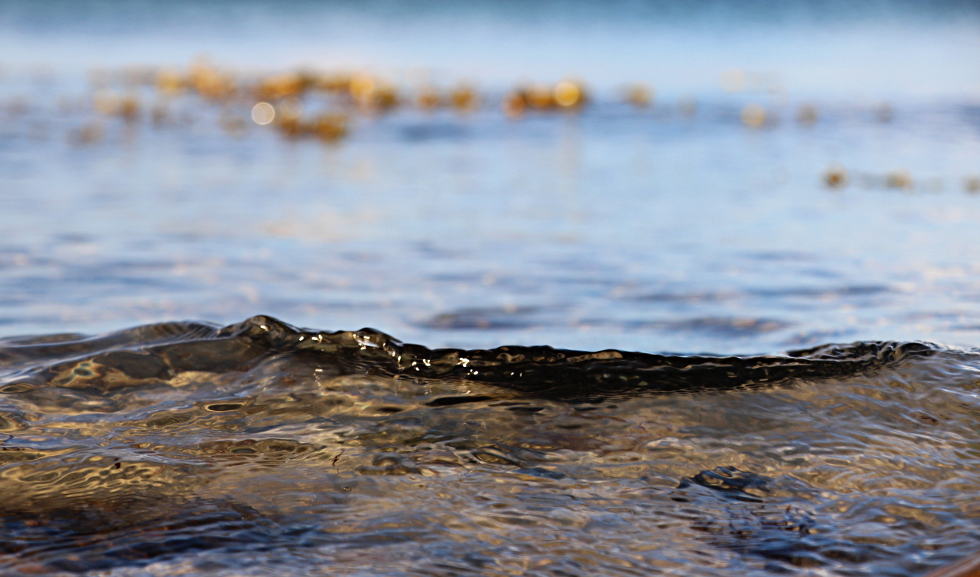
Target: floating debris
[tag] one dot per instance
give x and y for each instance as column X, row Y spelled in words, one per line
column 835, row 176
column 326, row 127
column 639, row 95
column 210, row 83
column 333, row 83
column 540, row 96
column 901, row 179
column 284, row 99
column 129, row 107
column 513, row 104
column 170, row 82
column 286, row 84
column 972, row 184
column 329, row 127
column 88, row 133
column 754, row 116
column 464, row 98
column 291, row 107
column 807, row 114
column 105, row 102
column 108, row 103
column 372, row 94
column 567, row 95
column 429, row 98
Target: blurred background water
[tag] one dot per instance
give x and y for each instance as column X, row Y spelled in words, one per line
column 744, row 177
column 670, row 227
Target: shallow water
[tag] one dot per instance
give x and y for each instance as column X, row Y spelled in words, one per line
column 676, row 229
column 641, row 230
column 256, row 448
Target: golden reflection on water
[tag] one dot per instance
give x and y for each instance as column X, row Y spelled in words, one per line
column 639, row 95
column 291, row 108
column 169, row 82
column 900, row 178
column 568, row 94
column 429, row 98
column 326, row 106
column 464, row 98
column 754, row 116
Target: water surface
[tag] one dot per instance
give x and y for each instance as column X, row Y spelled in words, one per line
column 689, row 243
column 191, row 448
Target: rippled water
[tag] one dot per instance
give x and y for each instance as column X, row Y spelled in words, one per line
column 677, row 229
column 239, row 450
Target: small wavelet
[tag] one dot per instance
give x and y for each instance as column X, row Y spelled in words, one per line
column 194, row 447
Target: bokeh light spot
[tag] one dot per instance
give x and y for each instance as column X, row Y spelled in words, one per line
column 567, row 94
column 754, row 116
column 263, row 113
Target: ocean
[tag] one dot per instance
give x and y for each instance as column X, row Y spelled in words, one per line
column 651, row 288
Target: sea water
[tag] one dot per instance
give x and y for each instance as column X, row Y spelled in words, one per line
column 686, row 228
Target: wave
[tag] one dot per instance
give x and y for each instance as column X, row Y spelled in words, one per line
column 192, row 446
column 163, row 351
